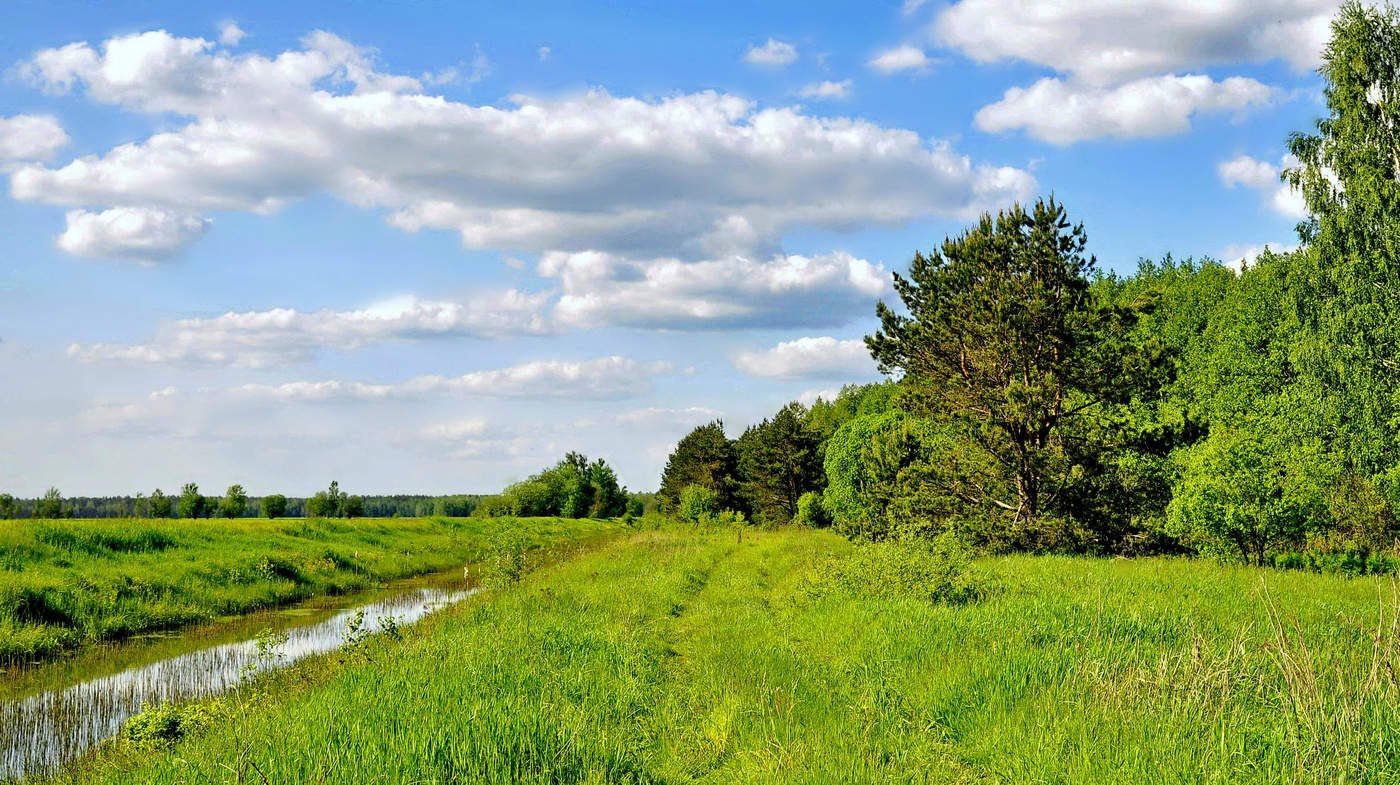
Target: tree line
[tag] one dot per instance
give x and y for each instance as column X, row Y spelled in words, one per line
column 1036, row 402
column 236, row 503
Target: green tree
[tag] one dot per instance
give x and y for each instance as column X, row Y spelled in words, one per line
column 191, row 504
column 50, row 505
column 354, row 507
column 8, row 507
column 779, row 460
column 234, row 503
column 811, row 511
column 1349, row 292
column 697, row 504
column 160, row 504
column 704, row 457
column 1239, row 492
column 327, row 503
column 274, row 506
column 1004, row 338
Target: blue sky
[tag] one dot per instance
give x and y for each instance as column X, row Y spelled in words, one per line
column 429, row 247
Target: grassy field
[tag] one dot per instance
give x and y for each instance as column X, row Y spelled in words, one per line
column 65, row 583
column 678, row 656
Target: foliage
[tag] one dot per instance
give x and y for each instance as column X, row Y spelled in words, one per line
column 1348, row 291
column 50, row 505
column 1004, row 337
column 191, row 503
column 326, row 504
column 704, row 457
column 779, row 460
column 274, row 506
column 160, row 504
column 234, row 503
column 8, row 507
column 573, row 488
column 936, row 570
column 697, row 504
column 1238, row 492
column 811, row 511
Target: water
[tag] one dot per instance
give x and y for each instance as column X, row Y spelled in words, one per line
column 41, row 731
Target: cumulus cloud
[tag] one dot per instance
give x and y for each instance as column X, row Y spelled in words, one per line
column 474, row 437
column 29, row 137
column 772, row 52
column 810, row 358
column 1110, row 41
column 1128, row 64
column 141, row 234
column 1264, row 178
column 827, row 90
column 1061, row 112
column 257, row 339
column 900, row 59
column 689, row 176
column 784, row 291
column 1238, row 257
column 230, row 34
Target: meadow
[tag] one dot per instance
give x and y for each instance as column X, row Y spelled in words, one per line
column 693, row 655
column 66, row 583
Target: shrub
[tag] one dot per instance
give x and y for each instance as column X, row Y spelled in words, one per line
column 697, row 504
column 937, row 570
column 811, row 511
column 168, row 723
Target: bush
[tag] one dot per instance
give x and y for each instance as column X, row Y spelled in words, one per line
column 168, row 723
column 698, row 504
column 937, row 570
column 811, row 511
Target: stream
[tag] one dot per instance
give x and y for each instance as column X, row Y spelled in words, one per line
column 53, row 713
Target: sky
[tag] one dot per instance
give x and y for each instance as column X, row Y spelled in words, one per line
column 430, row 247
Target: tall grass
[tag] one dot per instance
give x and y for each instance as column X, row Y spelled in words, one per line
column 683, row 656
column 65, row 583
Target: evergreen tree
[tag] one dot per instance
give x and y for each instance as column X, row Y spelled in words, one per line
column 1004, row 338
column 704, row 457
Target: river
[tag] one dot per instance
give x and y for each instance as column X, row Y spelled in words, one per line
column 52, row 713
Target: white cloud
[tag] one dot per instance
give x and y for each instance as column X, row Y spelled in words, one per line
column 601, row 378
column 1108, row 41
column 1263, row 177
column 543, row 53
column 773, row 52
column 1061, row 112
column 475, row 438
column 654, row 417
column 29, row 137
column 809, row 397
column 810, row 358
column 827, row 90
column 256, row 339
column 1238, row 257
column 901, row 58
column 142, row 234
column 591, row 172
column 784, row 291
column 230, row 34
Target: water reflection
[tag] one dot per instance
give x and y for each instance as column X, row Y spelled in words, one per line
column 41, row 731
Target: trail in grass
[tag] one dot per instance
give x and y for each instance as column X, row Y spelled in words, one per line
column 686, row 656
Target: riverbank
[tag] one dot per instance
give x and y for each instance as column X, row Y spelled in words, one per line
column 64, row 584
column 693, row 656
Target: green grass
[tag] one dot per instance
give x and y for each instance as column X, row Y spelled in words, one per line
column 678, row 656
column 66, row 583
